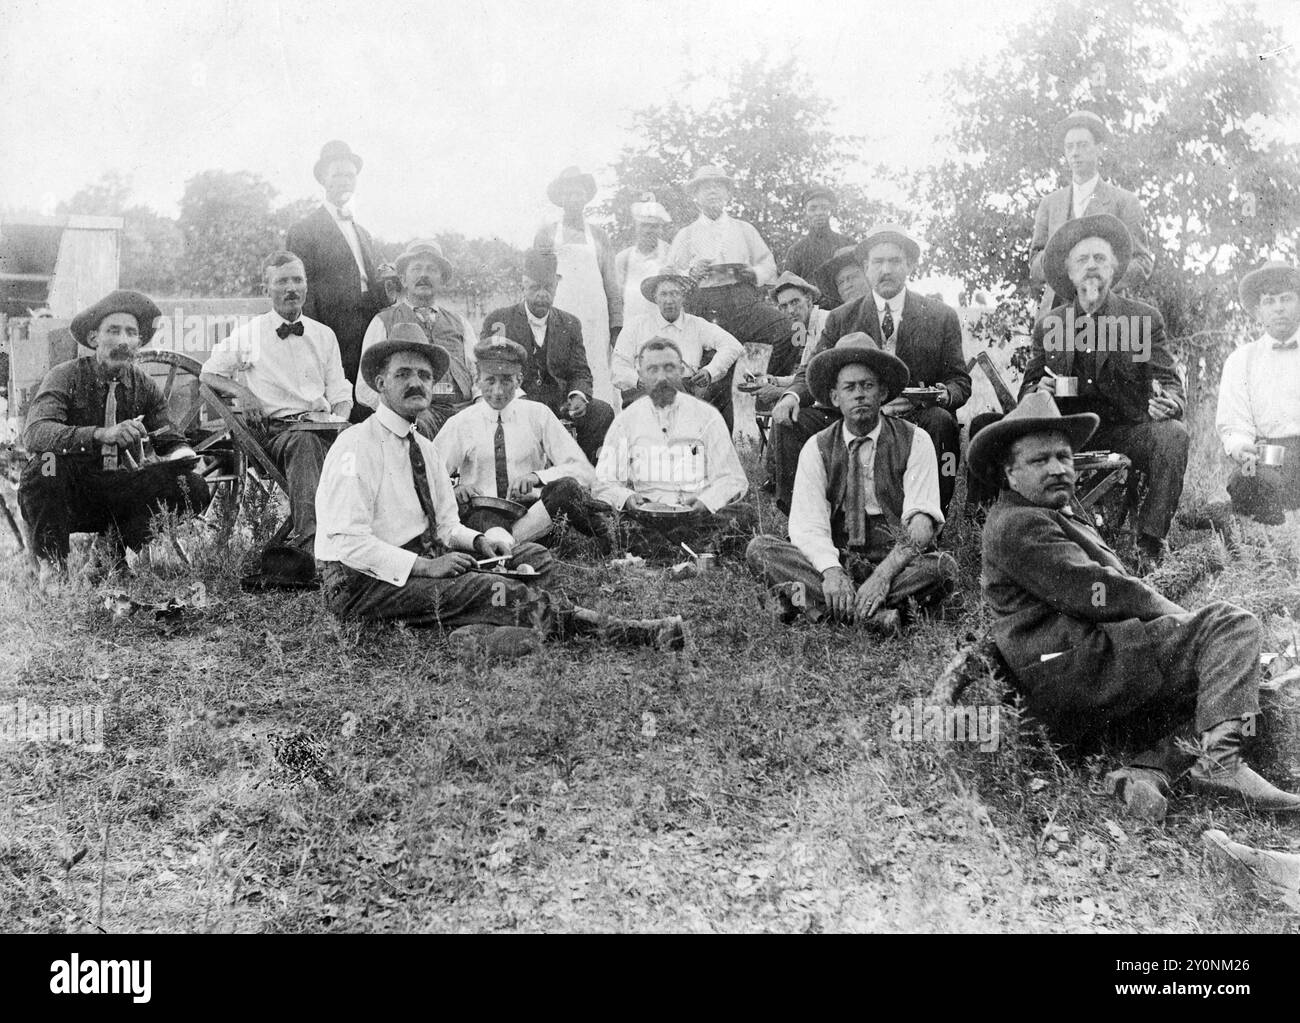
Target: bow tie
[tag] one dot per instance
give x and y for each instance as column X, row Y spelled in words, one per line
column 1292, row 343
column 285, row 329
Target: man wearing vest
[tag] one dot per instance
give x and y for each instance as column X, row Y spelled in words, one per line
column 424, row 273
column 865, row 509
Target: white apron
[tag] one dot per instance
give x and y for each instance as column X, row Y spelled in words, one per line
column 639, row 267
column 582, row 293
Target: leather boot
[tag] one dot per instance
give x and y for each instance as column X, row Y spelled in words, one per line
column 1144, row 790
column 1221, row 771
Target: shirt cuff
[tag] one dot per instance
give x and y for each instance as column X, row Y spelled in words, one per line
column 823, row 560
column 550, row 474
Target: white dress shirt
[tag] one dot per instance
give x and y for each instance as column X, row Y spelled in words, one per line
column 538, row 327
column 536, row 441
column 349, row 231
column 693, row 335
column 895, row 305
column 810, row 512
column 377, row 332
column 1259, row 393
column 1082, row 194
column 290, row 375
column 667, row 454
column 813, row 333
column 724, row 240
column 366, row 504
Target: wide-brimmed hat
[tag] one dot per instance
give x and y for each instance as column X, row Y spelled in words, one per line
column 816, row 192
column 282, row 567
column 402, row 337
column 498, row 354
column 846, row 255
column 1271, row 278
column 426, row 247
column 331, row 151
column 1036, row 413
column 649, row 285
column 708, row 172
column 1068, row 235
column 649, row 211
column 541, row 266
column 851, row 349
column 1082, row 119
column 568, row 176
column 792, row 280
column 895, row 233
column 142, row 307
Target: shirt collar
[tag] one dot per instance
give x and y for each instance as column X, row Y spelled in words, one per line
column 895, row 303
column 393, row 422
column 721, row 219
column 277, row 320
column 873, row 433
column 335, row 211
column 677, row 324
column 1086, row 187
column 535, row 321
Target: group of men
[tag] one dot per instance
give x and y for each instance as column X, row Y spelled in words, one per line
column 602, row 399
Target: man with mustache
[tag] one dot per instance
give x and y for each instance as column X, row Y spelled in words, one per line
column 425, row 273
column 285, row 368
column 338, row 255
column 1259, row 397
column 671, row 449
column 925, row 334
column 1097, row 653
column 393, row 547
column 821, row 242
column 709, row 378
column 556, row 373
column 645, row 258
column 865, row 510
column 85, row 428
column 1082, row 136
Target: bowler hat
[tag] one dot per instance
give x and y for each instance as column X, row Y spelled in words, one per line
column 142, row 307
column 851, row 349
column 282, row 567
column 816, row 192
column 1082, row 119
column 649, row 285
column 426, row 247
column 567, row 176
column 1271, row 278
column 540, row 266
column 331, row 151
column 793, row 280
column 708, row 172
column 402, row 337
column 1036, row 413
column 895, row 233
column 1069, row 234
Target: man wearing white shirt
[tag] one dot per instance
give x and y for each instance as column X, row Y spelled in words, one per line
column 1259, row 397
column 391, row 542
column 285, row 368
column 862, row 482
column 693, row 336
column 799, row 302
column 508, row 447
column 670, row 448
column 425, row 271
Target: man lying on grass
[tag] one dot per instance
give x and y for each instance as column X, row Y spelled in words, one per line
column 1095, row 651
column 865, row 506
column 393, row 545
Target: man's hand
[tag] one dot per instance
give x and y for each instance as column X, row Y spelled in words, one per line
column 1161, row 407
column 577, row 406
column 447, row 566
column 900, row 406
column 701, row 379
column 1247, row 458
column 184, row 451
column 695, row 505
column 125, row 433
column 255, row 416
column 1047, row 384
column 463, row 492
column 525, row 486
column 635, row 501
column 786, row 411
column 699, row 268
column 491, row 548
column 837, row 588
column 944, row 399
column 768, row 395
column 871, row 597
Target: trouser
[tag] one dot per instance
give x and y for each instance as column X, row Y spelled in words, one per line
column 472, row 598
column 565, row 498
column 589, row 430
column 299, row 454
column 62, row 495
column 1269, row 491
column 786, row 442
column 725, row 531
column 788, row 573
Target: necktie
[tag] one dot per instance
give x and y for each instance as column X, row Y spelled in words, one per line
column 109, row 451
column 285, row 329
column 420, row 477
column 499, row 451
column 887, row 324
column 855, row 497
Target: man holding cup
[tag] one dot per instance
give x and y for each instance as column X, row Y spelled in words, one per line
column 1259, row 399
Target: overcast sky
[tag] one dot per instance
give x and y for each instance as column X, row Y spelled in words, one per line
column 463, row 111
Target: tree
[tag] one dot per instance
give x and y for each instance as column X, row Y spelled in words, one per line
column 228, row 227
column 769, row 132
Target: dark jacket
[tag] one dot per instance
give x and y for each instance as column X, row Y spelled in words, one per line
column 334, row 293
column 1121, row 387
column 812, row 250
column 928, row 341
column 565, row 366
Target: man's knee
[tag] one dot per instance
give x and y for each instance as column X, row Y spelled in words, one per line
column 599, row 415
column 534, row 554
column 1170, row 438
column 939, row 422
column 301, row 447
column 982, row 420
column 560, row 495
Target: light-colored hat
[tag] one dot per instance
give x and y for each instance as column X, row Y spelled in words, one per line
column 428, row 247
column 895, row 233
column 648, row 211
column 1036, row 413
column 853, row 349
column 403, row 337
column 1083, row 119
column 709, row 172
column 651, row 284
column 792, row 280
column 1271, row 278
column 1069, row 234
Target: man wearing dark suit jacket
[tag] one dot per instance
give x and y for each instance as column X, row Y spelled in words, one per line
column 924, row 333
column 1094, row 650
column 1082, row 136
column 556, row 374
column 344, row 290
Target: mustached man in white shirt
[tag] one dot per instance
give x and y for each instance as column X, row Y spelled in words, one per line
column 508, row 447
column 1259, row 397
column 285, row 368
column 393, row 547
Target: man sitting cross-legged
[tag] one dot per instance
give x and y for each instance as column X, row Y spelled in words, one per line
column 865, row 507
column 392, row 544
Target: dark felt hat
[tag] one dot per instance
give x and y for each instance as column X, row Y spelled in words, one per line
column 895, row 233
column 649, row 285
column 567, row 176
column 142, row 307
column 1036, row 413
column 851, row 349
column 541, row 266
column 844, row 256
column 499, row 354
column 1069, row 234
column 1082, row 119
column 331, row 151
column 1271, row 278
column 403, row 337
column 282, row 567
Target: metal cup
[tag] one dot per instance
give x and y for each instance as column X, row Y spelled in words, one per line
column 706, row 562
column 1065, row 387
column 1272, row 454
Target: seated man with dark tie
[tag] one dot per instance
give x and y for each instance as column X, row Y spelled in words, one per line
column 556, row 373
column 85, row 428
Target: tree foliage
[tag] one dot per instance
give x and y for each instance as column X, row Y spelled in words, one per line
column 228, row 226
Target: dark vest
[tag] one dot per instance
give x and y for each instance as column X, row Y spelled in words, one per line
column 538, row 382
column 448, row 334
column 893, row 447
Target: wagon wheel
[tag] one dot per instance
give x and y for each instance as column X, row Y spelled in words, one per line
column 229, row 452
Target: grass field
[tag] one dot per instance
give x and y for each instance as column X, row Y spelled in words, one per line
column 753, row 783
